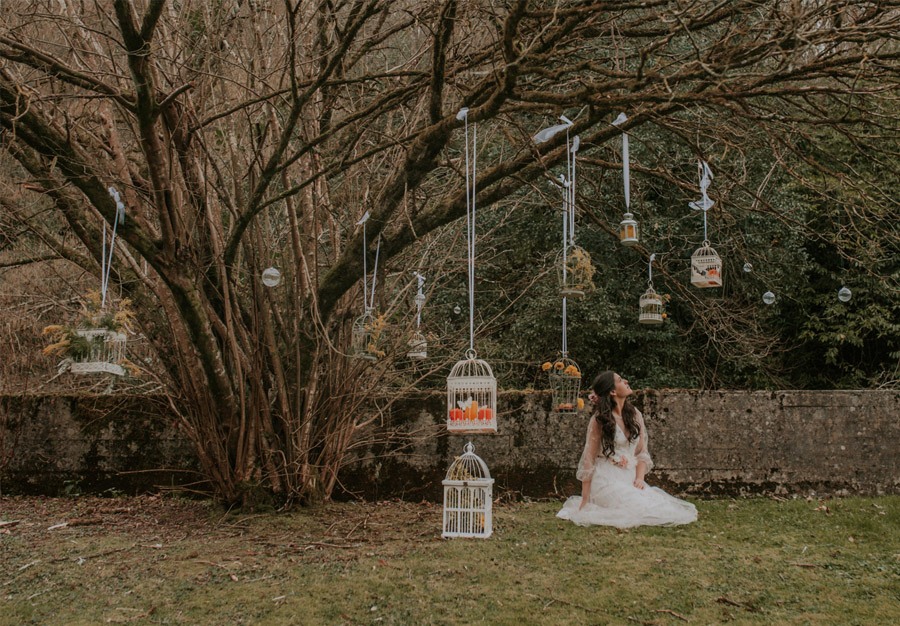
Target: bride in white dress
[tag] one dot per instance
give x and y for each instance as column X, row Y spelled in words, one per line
column 613, row 465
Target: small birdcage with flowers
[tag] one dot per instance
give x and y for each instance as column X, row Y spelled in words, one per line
column 564, row 376
column 471, row 396
column 96, row 343
column 367, row 331
column 706, row 267
column 468, row 498
column 576, row 272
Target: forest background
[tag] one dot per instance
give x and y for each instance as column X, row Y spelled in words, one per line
column 244, row 135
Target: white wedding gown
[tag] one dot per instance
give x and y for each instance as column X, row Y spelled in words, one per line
column 614, row 500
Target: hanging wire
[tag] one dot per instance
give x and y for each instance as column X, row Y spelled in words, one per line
column 363, row 220
column 106, row 261
column 470, row 217
column 650, row 269
column 375, row 274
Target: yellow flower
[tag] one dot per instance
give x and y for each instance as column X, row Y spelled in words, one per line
column 559, row 365
column 546, row 366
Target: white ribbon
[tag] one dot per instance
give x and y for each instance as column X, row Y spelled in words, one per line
column 549, row 133
column 420, row 298
column 626, row 165
column 704, row 204
column 106, row 261
column 368, row 299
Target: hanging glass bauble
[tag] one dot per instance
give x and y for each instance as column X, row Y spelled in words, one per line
column 457, row 310
column 748, row 267
column 844, row 294
column 768, row 297
column 271, row 277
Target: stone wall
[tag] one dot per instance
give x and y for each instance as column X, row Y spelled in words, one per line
column 703, row 443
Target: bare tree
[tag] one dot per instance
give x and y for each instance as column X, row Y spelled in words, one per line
column 249, row 134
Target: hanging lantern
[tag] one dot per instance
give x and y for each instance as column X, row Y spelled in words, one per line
column 468, row 497
column 471, row 396
column 564, row 377
column 576, row 272
column 628, row 230
column 367, row 330
column 706, row 267
column 651, row 307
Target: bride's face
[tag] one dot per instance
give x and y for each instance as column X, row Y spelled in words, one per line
column 622, row 389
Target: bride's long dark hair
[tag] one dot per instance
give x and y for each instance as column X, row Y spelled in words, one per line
column 603, row 408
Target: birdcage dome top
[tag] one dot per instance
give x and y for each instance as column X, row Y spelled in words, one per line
column 468, row 466
column 651, row 295
column 471, row 367
column 705, row 250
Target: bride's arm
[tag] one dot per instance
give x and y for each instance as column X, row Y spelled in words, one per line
column 642, row 454
column 588, row 458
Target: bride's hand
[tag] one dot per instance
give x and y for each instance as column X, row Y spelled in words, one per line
column 639, row 483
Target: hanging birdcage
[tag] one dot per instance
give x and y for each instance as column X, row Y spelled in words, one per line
column 471, row 396
column 564, row 376
column 706, row 267
column 628, row 230
column 651, row 307
column 417, row 347
column 97, row 351
column 468, row 497
column 367, row 330
column 576, row 272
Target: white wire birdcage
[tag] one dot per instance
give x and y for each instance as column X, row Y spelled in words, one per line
column 366, row 331
column 103, row 353
column 468, row 497
column 706, row 267
column 651, row 307
column 417, row 347
column 564, row 376
column 576, row 272
column 471, row 396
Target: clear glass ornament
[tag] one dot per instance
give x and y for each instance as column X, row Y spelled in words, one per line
column 844, row 294
column 768, row 297
column 748, row 267
column 271, row 277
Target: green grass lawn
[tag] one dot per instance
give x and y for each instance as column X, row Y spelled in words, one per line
column 170, row 561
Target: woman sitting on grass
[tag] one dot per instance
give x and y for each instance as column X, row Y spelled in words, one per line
column 613, row 465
